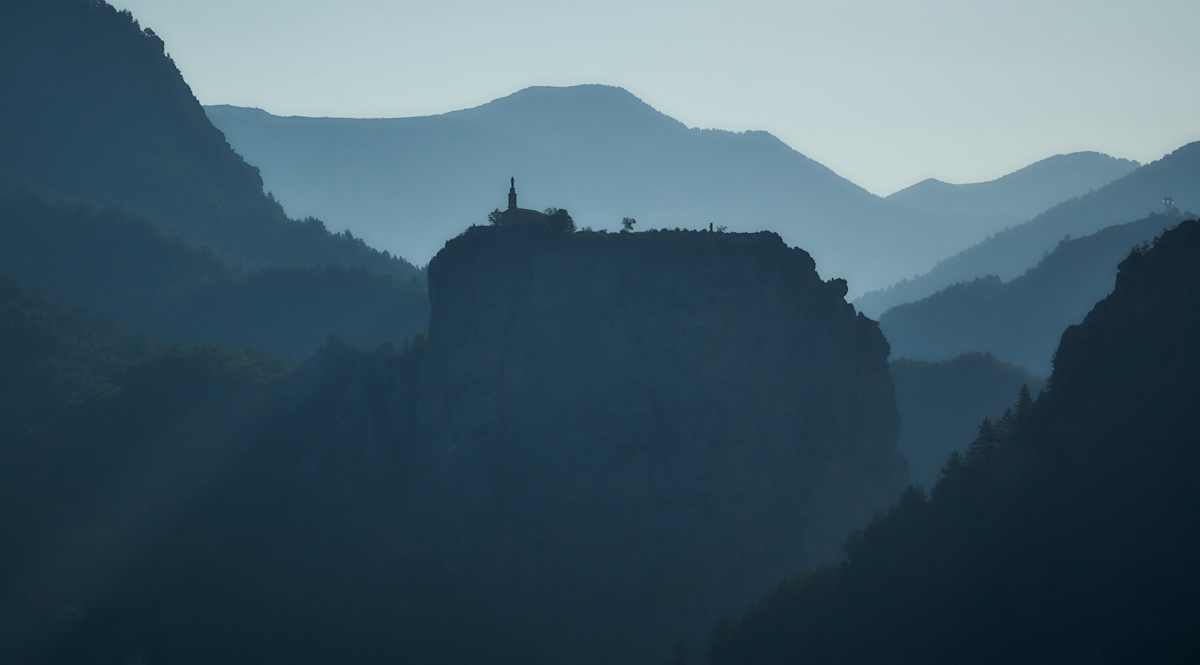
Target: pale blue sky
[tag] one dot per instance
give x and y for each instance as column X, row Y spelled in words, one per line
column 886, row 93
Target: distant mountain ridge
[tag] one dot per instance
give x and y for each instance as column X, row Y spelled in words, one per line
column 1009, row 253
column 1022, row 194
column 409, row 184
column 598, row 151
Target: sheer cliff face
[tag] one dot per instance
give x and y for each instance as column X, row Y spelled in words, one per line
column 646, row 430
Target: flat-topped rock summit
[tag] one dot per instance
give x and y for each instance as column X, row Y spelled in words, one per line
column 602, row 414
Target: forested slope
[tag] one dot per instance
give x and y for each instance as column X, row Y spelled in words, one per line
column 148, row 281
column 941, row 404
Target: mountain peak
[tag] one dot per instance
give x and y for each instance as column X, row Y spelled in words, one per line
column 587, row 92
column 563, row 117
column 1020, row 195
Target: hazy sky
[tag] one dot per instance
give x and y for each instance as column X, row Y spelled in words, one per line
column 884, row 92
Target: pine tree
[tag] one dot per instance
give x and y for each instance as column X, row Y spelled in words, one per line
column 983, row 449
column 1007, row 426
column 1024, row 404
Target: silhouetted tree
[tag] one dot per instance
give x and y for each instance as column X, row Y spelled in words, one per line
column 560, row 220
column 495, row 217
column 1024, row 404
column 627, row 223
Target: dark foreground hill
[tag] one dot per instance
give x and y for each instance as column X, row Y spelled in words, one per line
column 1065, row 534
column 159, row 504
column 1019, row 321
column 1010, row 253
column 94, row 109
column 607, row 442
column 410, row 184
column 146, row 281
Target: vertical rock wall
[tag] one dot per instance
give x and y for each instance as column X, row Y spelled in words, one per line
column 633, row 433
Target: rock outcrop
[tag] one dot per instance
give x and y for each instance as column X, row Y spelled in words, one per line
column 634, row 433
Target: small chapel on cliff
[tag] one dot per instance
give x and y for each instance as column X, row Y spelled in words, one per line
column 515, row 216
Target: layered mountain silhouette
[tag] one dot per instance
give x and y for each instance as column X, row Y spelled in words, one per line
column 1009, row 253
column 409, row 184
column 1019, row 321
column 566, row 447
column 118, row 194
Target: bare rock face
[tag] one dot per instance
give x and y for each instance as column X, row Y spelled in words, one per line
column 631, row 434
